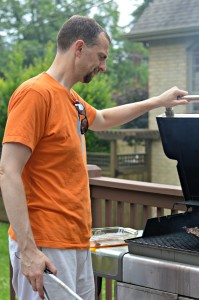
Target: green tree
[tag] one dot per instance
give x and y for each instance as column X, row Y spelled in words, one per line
column 12, row 78
column 33, row 23
column 129, row 72
column 15, row 73
column 138, row 12
column 30, row 25
column 97, row 93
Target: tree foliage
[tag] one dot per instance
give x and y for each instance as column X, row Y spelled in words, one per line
column 33, row 23
column 16, row 72
column 28, row 31
column 99, row 94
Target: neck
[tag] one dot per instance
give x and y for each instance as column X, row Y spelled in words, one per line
column 62, row 72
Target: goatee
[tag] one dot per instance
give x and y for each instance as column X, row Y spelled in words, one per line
column 88, row 77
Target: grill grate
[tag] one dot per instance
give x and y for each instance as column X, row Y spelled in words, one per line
column 175, row 240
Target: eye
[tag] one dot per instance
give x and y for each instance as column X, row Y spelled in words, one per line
column 102, row 57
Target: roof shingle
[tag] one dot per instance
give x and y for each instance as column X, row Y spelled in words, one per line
column 167, row 15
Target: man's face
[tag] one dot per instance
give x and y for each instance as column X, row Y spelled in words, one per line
column 95, row 58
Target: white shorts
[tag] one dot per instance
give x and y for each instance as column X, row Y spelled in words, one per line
column 74, row 268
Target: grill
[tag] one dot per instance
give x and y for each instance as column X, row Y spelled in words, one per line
column 165, row 237
column 178, row 241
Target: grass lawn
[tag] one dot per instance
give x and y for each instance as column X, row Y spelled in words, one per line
column 4, row 263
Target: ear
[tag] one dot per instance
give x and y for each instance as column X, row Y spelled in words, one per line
column 79, row 44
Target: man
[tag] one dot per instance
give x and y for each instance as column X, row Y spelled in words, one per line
column 44, row 177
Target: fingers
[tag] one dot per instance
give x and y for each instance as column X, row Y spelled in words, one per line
column 180, row 102
column 39, row 286
column 172, row 97
column 33, row 268
column 51, row 267
column 178, row 93
column 36, row 282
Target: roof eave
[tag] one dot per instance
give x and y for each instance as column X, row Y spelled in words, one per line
column 162, row 34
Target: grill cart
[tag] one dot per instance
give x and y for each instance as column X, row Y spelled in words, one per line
column 163, row 262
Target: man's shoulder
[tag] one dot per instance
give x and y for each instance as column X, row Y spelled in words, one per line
column 38, row 84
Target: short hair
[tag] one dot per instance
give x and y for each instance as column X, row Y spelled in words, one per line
column 79, row 27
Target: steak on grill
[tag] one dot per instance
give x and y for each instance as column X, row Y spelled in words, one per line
column 194, row 231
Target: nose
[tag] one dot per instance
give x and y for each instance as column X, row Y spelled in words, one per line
column 102, row 66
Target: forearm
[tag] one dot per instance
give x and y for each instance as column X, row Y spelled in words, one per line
column 119, row 115
column 33, row 261
column 16, row 209
column 125, row 113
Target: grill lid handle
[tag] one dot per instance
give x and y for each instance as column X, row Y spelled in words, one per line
column 169, row 112
column 190, row 97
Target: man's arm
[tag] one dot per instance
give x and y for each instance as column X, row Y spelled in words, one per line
column 33, row 261
column 119, row 115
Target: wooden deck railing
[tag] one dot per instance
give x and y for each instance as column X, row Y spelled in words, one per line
column 127, row 203
column 119, row 202
column 121, row 165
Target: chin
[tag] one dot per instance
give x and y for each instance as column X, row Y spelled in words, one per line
column 88, row 77
column 87, row 80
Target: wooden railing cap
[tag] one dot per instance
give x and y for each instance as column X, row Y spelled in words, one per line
column 94, row 171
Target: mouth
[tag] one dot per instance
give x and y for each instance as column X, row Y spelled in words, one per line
column 96, row 71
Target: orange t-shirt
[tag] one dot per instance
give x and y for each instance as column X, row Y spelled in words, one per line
column 42, row 116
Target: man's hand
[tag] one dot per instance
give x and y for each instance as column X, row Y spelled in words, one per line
column 171, row 97
column 33, row 265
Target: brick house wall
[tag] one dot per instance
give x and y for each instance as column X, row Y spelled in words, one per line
column 167, row 68
column 173, row 51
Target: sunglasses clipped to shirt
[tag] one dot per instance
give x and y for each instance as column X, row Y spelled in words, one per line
column 82, row 112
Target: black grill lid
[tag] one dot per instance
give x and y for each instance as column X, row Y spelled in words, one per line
column 180, row 140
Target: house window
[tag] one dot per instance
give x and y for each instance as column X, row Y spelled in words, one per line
column 193, row 65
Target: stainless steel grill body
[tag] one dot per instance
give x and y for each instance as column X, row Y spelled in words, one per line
column 161, row 275
column 163, row 263
column 166, row 258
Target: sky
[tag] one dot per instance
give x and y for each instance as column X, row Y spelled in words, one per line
column 126, row 7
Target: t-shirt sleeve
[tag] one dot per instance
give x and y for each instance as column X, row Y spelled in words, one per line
column 90, row 110
column 27, row 116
